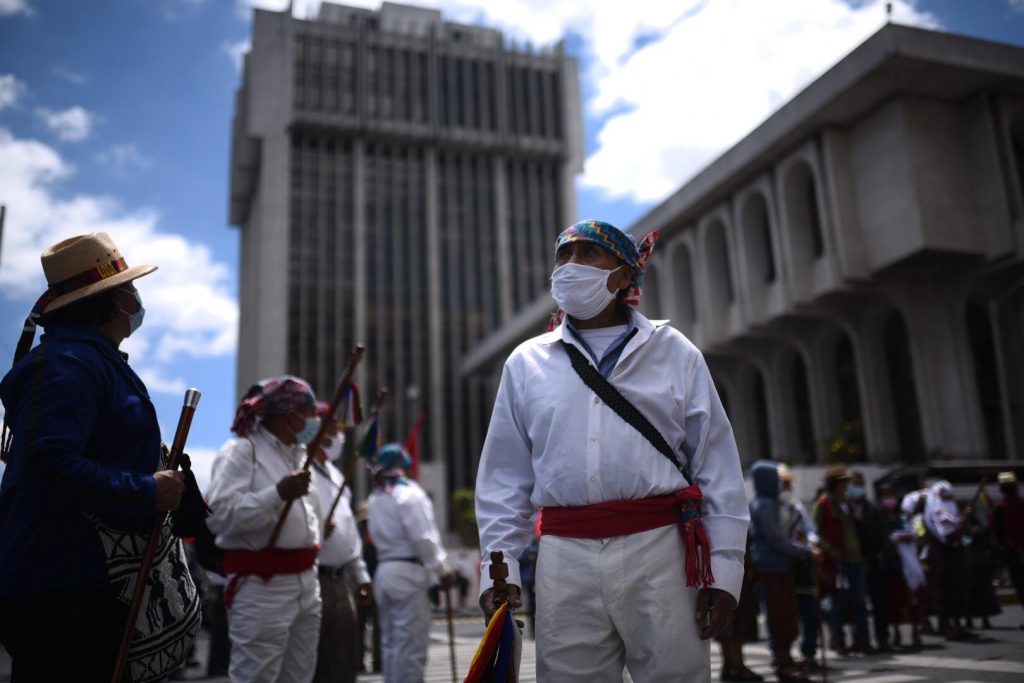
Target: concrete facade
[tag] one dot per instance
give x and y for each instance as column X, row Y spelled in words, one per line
column 853, row 269
column 383, row 163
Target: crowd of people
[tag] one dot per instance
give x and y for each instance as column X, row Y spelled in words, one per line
column 879, row 573
column 609, row 479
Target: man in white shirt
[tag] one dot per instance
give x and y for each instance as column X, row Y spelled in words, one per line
column 273, row 596
column 616, row 588
column 343, row 576
column 410, row 557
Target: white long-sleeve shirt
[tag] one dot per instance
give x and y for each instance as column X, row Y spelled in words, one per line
column 244, row 500
column 402, row 526
column 343, row 548
column 553, row 443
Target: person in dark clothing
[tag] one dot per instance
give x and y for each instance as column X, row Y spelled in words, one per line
column 1007, row 524
column 85, row 446
column 772, row 555
column 842, row 575
column 742, row 628
column 368, row 613
column 982, row 601
column 879, row 556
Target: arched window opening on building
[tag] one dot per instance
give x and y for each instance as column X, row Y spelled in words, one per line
column 650, row 302
column 986, row 375
column 758, row 234
column 764, row 442
column 718, row 266
column 804, row 213
column 801, row 407
column 1017, row 143
column 904, row 392
column 848, row 441
column 683, row 274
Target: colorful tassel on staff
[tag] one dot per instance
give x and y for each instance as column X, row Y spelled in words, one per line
column 495, row 660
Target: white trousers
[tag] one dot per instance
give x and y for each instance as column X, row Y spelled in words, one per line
column 403, row 614
column 604, row 605
column 275, row 629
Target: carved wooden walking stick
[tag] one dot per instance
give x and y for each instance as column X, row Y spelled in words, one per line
column 314, row 445
column 177, row 448
column 350, row 466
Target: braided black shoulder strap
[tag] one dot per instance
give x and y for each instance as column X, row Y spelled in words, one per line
column 607, row 392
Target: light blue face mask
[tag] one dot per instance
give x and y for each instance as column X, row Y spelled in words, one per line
column 308, row 431
column 856, row 492
column 135, row 319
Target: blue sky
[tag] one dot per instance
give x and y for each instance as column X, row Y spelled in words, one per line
column 115, row 115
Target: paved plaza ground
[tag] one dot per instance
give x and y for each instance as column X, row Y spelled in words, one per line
column 996, row 655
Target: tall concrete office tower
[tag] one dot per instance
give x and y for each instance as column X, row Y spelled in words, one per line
column 397, row 180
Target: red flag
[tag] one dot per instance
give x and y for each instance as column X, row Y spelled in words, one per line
column 412, row 445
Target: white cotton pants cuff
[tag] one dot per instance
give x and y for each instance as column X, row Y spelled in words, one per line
column 403, row 613
column 275, row 628
column 605, row 605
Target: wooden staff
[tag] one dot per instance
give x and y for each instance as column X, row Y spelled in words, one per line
column 314, row 445
column 350, row 466
column 451, row 632
column 177, row 448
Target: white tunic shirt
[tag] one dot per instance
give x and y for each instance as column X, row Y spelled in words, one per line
column 243, row 494
column 402, row 526
column 552, row 443
column 343, row 548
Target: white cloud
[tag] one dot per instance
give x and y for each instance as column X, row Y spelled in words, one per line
column 190, row 309
column 73, row 124
column 10, row 90
column 14, row 7
column 236, row 51
column 123, row 159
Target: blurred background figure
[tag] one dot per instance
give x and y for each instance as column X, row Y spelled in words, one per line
column 799, row 526
column 1007, row 523
column 907, row 584
column 946, row 562
column 773, row 554
column 368, row 613
column 879, row 555
column 742, row 628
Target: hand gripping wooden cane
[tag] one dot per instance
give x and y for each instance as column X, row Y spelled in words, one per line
column 177, row 448
column 353, row 360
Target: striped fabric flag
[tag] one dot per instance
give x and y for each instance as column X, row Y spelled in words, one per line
column 497, row 657
column 350, row 412
column 370, row 441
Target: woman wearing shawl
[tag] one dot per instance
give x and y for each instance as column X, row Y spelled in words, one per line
column 410, row 557
column 946, row 559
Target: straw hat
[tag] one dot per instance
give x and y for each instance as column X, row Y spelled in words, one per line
column 836, row 473
column 786, row 474
column 1007, row 478
column 84, row 265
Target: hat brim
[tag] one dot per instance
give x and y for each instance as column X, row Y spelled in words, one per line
column 839, row 477
column 124, row 276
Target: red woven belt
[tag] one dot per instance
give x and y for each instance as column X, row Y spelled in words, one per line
column 264, row 564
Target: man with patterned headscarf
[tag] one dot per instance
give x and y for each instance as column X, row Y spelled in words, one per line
column 610, row 422
column 409, row 556
column 273, row 596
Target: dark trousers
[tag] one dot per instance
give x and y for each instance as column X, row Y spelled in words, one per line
column 850, row 605
column 62, row 636
column 878, row 590
column 781, row 603
column 810, row 624
column 1015, row 568
column 220, row 643
column 368, row 616
column 338, row 653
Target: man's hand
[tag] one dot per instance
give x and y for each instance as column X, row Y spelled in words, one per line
column 170, row 484
column 487, row 601
column 447, row 581
column 713, row 608
column 364, row 594
column 294, row 485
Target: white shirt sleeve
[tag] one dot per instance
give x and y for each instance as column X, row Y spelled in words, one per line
column 715, row 468
column 418, row 519
column 504, row 483
column 234, row 507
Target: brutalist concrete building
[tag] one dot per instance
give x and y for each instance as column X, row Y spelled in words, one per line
column 854, row 268
column 395, row 179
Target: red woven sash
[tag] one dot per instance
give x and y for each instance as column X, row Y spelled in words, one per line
column 625, row 517
column 265, row 564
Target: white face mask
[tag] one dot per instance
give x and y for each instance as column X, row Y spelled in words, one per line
column 581, row 291
column 332, row 449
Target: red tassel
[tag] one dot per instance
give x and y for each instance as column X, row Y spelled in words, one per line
column 695, row 539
